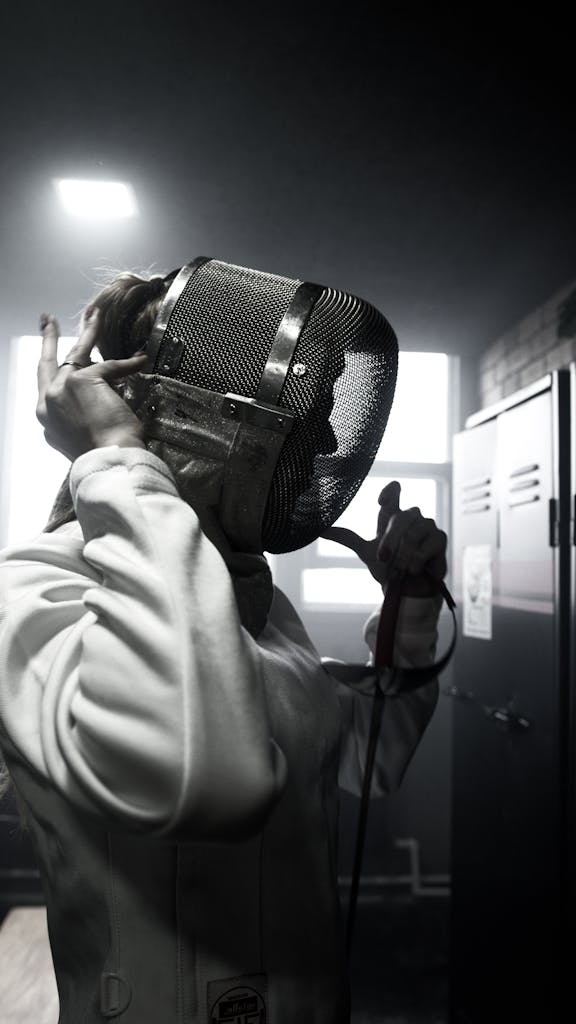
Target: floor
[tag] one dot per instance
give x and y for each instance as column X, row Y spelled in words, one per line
column 399, row 965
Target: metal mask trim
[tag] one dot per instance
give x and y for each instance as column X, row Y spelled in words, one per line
column 166, row 309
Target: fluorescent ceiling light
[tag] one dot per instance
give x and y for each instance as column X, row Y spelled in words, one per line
column 97, row 199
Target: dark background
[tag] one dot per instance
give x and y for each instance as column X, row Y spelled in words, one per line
column 423, row 159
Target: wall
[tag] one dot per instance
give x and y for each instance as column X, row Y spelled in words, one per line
column 544, row 340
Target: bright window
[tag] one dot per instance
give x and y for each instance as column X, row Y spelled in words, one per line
column 417, row 430
column 340, row 586
column 32, row 471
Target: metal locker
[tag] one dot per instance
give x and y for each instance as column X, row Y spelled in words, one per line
column 511, row 687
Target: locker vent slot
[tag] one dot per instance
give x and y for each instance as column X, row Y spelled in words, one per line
column 475, row 508
column 524, row 484
column 476, row 496
column 530, row 484
column 529, row 499
column 525, row 469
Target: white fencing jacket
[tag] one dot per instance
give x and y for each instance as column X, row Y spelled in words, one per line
column 180, row 778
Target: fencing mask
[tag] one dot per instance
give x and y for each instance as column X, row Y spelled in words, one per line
column 268, row 398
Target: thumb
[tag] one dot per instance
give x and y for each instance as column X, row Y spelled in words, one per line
column 389, row 498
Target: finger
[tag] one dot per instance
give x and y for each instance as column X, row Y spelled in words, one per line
column 111, row 369
column 427, row 554
column 399, row 523
column 389, row 496
column 48, row 363
column 91, row 311
column 389, row 501
column 407, row 532
column 81, row 351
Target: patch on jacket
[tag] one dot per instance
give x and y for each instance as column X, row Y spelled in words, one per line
column 242, row 1000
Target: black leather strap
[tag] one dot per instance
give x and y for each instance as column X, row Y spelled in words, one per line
column 403, row 681
column 389, row 682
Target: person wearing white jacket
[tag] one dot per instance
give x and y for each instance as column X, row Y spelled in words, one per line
column 180, row 776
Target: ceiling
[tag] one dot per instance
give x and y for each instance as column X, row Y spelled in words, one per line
column 421, row 161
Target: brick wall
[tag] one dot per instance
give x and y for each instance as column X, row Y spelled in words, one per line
column 528, row 351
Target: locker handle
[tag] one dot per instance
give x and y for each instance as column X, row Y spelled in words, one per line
column 553, row 524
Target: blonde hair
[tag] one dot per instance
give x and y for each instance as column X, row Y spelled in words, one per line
column 129, row 304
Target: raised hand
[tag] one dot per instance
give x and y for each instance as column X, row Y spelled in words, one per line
column 76, row 406
column 405, row 543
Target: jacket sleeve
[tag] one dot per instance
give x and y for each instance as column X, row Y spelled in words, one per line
column 127, row 679
column 404, row 718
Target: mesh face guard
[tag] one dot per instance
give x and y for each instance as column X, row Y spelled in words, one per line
column 272, row 396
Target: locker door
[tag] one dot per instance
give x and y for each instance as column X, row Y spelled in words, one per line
column 526, row 871
column 508, row 768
